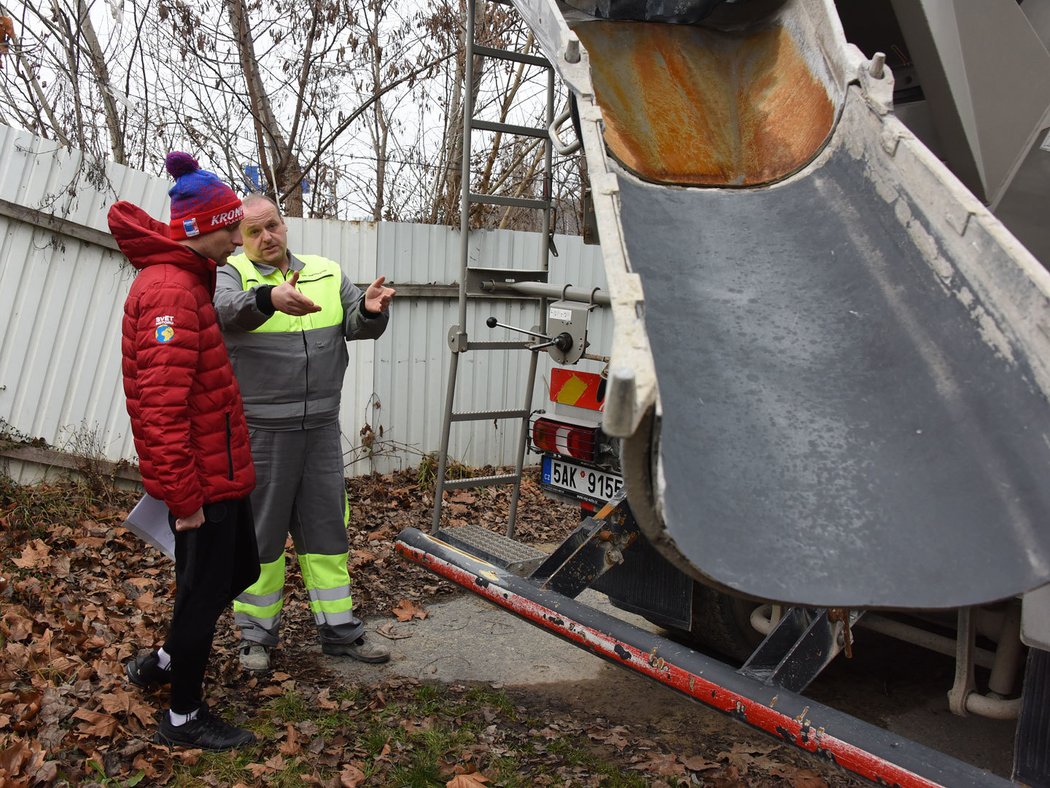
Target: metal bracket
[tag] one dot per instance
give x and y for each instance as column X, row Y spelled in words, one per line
column 457, row 339
column 590, row 551
column 800, row 646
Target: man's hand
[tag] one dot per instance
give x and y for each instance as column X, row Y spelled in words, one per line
column 377, row 297
column 285, row 298
column 189, row 523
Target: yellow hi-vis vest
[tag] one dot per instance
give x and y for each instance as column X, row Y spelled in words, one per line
column 319, row 280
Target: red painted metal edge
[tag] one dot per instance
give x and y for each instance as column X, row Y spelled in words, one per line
column 795, row 730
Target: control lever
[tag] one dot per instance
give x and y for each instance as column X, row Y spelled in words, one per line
column 562, row 342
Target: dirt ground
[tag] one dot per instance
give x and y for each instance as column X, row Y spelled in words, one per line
column 79, row 594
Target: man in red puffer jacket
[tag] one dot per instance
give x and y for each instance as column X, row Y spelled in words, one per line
column 190, row 433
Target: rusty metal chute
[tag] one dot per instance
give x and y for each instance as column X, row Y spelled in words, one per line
column 831, row 364
column 695, row 106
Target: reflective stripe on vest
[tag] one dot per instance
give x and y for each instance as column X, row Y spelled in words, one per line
column 320, row 280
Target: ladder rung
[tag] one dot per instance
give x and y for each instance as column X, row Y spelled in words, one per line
column 498, row 345
column 486, row 415
column 513, row 202
column 479, row 481
column 517, row 57
column 510, row 128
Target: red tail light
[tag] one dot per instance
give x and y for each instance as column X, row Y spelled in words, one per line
column 568, row 440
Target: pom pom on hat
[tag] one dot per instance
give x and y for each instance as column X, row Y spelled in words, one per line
column 178, row 164
column 200, row 202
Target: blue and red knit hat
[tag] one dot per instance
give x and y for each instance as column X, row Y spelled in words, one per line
column 200, row 202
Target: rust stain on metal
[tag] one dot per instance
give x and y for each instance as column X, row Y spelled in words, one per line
column 656, row 662
column 841, row 614
column 693, row 106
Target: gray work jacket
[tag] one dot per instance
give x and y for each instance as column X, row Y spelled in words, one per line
column 290, row 370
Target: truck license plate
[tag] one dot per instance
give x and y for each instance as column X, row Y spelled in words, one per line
column 586, row 483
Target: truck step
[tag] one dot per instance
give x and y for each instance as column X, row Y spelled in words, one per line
column 517, row 558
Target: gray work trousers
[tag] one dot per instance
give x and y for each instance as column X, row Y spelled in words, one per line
column 300, row 490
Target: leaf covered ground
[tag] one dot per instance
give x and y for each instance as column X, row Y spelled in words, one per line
column 79, row 595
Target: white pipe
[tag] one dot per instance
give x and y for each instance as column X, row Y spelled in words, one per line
column 920, row 637
column 995, row 708
column 761, row 620
column 1007, row 653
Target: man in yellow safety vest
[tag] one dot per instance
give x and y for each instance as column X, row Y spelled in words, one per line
column 286, row 319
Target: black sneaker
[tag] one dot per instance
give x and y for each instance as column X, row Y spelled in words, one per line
column 205, row 732
column 145, row 671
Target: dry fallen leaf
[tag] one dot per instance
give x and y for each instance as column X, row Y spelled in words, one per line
column 471, row 780
column 388, row 631
column 697, row 763
column 799, row 778
column 188, row 757
column 406, row 610
column 96, row 723
column 258, row 770
column 351, row 776
column 291, row 744
column 16, row 626
column 664, row 764
column 324, row 700
column 34, row 555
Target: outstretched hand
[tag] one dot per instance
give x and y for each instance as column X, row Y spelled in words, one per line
column 377, row 297
column 285, row 298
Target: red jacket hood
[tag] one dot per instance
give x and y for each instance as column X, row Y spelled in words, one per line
column 145, row 241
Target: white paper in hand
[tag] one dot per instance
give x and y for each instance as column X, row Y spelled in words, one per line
column 149, row 521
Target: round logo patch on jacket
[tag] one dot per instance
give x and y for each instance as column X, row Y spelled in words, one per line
column 165, row 334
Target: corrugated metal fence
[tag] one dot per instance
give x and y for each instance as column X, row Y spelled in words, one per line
column 63, row 284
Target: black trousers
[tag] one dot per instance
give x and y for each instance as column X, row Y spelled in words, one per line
column 213, row 565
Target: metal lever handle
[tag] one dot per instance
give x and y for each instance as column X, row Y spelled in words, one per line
column 563, row 341
column 493, row 323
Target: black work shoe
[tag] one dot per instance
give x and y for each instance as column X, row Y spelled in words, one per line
column 360, row 649
column 145, row 671
column 205, row 732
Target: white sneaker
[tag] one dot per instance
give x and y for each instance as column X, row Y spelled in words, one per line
column 255, row 657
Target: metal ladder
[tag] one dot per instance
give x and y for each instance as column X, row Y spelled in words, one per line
column 458, row 339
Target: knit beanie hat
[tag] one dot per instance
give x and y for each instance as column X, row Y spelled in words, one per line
column 200, row 202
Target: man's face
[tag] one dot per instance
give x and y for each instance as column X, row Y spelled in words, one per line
column 220, row 244
column 265, row 234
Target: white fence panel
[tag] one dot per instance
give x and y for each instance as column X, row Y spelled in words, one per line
column 413, row 359
column 61, row 298
column 62, row 288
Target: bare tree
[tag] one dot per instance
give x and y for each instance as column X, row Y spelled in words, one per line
column 359, row 100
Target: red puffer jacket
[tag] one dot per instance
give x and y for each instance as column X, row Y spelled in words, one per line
column 185, row 407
